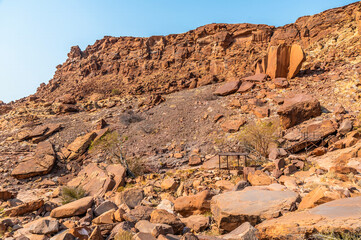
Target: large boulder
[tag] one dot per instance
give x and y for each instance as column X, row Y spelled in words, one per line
column 75, row 208
column 40, row 164
column 228, row 88
column 94, row 180
column 195, row 204
column 297, row 109
column 337, row 216
column 284, row 61
column 253, row 204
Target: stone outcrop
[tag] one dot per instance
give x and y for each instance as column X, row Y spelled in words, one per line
column 298, row 108
column 253, row 204
column 337, row 216
column 211, row 53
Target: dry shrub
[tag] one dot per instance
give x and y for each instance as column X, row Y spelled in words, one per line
column 112, row 145
column 71, row 194
column 259, row 136
column 123, row 235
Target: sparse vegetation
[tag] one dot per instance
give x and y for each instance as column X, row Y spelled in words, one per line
column 112, row 145
column 115, row 92
column 337, row 236
column 124, row 235
column 259, row 136
column 70, row 194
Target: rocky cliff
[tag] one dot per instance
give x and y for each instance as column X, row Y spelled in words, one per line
column 211, row 53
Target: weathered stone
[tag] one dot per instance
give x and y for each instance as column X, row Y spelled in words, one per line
column 317, row 197
column 196, row 204
column 297, row 109
column 41, row 164
column 104, row 207
column 44, row 226
column 253, row 205
column 195, row 160
column 95, row 181
column 261, row 112
column 280, row 82
column 259, row 178
column 6, row 195
column 105, row 218
column 337, row 216
column 138, row 213
column 227, row 88
column 197, row 222
column 246, row 86
column 169, row 183
column 232, row 125
column 75, row 208
column 244, row 232
column 240, row 185
column 80, row 145
column 164, row 217
column 256, row 78
column 119, row 173
column 297, row 57
column 24, row 208
column 131, row 197
column 147, row 227
column 345, row 127
column 96, row 234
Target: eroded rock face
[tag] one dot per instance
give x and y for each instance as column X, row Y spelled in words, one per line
column 94, row 180
column 336, row 216
column 297, row 109
column 41, row 164
column 253, row 205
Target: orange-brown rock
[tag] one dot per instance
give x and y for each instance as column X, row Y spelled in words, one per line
column 164, row 217
column 318, row 196
column 196, row 204
column 259, row 178
column 337, row 216
column 40, row 164
column 75, row 208
column 232, row 125
column 297, row 57
column 24, row 208
column 227, row 88
column 297, row 109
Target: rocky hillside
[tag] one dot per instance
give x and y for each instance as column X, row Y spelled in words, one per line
column 145, row 138
column 208, row 54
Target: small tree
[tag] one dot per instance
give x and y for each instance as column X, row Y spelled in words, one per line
column 112, row 145
column 258, row 136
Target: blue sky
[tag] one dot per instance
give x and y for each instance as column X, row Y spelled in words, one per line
column 36, row 35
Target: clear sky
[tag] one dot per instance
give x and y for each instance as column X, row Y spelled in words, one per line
column 36, row 35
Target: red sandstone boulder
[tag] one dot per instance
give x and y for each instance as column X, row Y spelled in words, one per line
column 227, row 88
column 297, row 109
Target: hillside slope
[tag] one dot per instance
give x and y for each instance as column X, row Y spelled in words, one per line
column 211, row 53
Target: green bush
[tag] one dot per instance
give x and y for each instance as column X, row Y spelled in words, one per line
column 71, row 194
